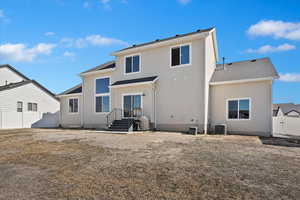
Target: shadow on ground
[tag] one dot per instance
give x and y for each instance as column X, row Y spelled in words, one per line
column 285, row 142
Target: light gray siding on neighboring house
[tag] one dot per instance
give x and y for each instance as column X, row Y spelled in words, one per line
column 28, row 93
column 8, row 76
column 260, row 93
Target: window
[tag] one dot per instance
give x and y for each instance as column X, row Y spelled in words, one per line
column 102, row 85
column 19, row 106
column 239, row 109
column 32, row 107
column 102, row 104
column 132, row 64
column 180, row 55
column 73, row 105
column 102, row 95
column 29, row 106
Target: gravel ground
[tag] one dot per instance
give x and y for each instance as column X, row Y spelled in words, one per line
column 79, row 164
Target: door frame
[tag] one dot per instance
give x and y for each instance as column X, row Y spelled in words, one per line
column 131, row 94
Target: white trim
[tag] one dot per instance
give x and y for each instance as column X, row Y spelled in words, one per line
column 140, row 63
column 168, row 42
column 97, row 72
column 101, row 95
column 190, row 55
column 132, row 94
column 68, row 103
column 238, row 99
column 241, row 81
column 69, row 95
column 134, row 84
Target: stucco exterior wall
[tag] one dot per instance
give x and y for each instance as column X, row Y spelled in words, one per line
column 7, row 75
column 91, row 119
column 260, row 93
column 67, row 119
column 180, row 90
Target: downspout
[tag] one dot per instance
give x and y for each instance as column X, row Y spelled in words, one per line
column 154, row 102
column 82, row 100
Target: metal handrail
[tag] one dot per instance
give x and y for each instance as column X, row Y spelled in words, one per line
column 119, row 113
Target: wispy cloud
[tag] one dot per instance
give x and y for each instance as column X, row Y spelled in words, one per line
column 21, row 53
column 86, row 4
column 272, row 49
column 3, row 17
column 49, row 33
column 290, row 77
column 184, row 2
column 91, row 40
column 276, row 29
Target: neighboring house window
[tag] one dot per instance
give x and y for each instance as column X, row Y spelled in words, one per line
column 180, row 55
column 73, row 105
column 32, row 107
column 238, row 109
column 132, row 64
column 102, row 95
column 19, row 106
column 29, row 107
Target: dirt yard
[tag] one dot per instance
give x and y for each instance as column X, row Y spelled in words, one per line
column 40, row 164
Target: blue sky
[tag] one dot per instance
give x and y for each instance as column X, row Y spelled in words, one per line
column 52, row 41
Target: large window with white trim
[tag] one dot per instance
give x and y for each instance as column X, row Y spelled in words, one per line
column 238, row 109
column 180, row 55
column 132, row 64
column 102, row 95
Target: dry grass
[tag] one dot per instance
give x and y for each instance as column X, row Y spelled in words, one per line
column 213, row 167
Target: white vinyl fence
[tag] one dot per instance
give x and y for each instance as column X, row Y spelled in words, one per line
column 285, row 125
column 13, row 119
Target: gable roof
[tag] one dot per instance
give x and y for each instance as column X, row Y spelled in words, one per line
column 105, row 66
column 74, row 90
column 21, row 83
column 286, row 107
column 135, row 81
column 199, row 31
column 244, row 70
column 15, row 71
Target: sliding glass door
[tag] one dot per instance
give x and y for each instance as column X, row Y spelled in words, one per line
column 132, row 105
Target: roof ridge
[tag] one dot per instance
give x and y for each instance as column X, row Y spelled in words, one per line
column 242, row 61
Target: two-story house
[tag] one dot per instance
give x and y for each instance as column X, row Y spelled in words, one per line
column 174, row 83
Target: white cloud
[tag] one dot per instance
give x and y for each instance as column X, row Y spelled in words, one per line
column 3, row 17
column 86, row 4
column 92, row 40
column 184, row 2
column 271, row 49
column 276, row 29
column 49, row 33
column 68, row 54
column 290, row 77
column 20, row 53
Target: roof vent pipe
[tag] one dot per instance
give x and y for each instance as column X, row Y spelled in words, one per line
column 223, row 58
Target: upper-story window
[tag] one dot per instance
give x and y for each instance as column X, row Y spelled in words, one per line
column 132, row 64
column 102, row 95
column 180, row 55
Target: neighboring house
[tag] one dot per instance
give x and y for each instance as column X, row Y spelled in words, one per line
column 175, row 83
column 286, row 109
column 25, row 103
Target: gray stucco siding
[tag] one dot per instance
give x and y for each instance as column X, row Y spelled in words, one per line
column 260, row 94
